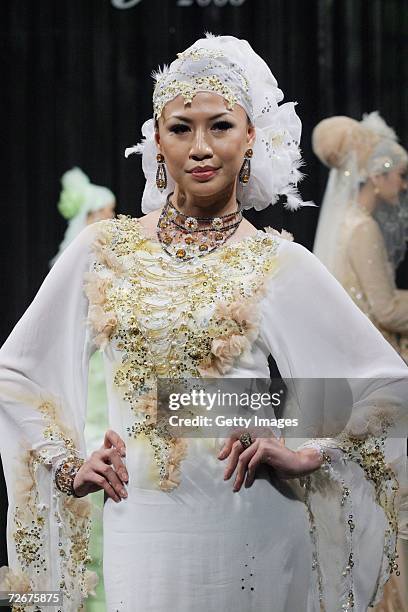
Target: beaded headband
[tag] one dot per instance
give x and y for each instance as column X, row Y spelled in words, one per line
column 202, row 69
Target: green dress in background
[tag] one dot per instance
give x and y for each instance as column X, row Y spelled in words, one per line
column 96, row 426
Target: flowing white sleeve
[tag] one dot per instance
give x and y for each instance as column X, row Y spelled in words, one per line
column 43, row 389
column 314, row 331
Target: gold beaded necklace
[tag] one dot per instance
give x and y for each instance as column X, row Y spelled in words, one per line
column 185, row 237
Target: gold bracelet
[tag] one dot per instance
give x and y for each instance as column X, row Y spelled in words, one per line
column 65, row 474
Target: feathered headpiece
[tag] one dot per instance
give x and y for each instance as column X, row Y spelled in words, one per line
column 230, row 67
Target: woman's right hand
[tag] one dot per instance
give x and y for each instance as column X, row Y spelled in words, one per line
column 104, row 469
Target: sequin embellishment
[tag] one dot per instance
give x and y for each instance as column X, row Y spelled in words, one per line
column 176, row 319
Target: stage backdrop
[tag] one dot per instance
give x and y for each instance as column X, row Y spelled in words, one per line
column 76, row 88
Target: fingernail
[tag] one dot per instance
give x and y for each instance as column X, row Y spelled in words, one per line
column 123, row 452
column 123, row 491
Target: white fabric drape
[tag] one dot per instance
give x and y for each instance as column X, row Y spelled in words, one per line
column 313, row 330
column 43, row 389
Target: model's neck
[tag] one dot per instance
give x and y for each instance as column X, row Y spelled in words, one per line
column 205, row 206
column 367, row 199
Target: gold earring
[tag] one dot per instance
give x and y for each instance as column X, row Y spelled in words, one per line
column 245, row 172
column 376, row 190
column 161, row 175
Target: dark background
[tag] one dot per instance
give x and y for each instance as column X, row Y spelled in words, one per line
column 76, row 88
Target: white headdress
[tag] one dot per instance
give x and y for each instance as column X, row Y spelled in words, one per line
column 230, row 67
column 78, row 198
column 356, row 151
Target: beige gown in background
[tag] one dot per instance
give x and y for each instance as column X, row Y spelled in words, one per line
column 365, row 272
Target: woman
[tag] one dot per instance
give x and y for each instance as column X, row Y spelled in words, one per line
column 82, row 203
column 192, row 290
column 363, row 228
column 361, row 237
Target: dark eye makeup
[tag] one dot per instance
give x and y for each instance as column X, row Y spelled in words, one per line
column 179, row 128
column 182, row 128
column 222, row 125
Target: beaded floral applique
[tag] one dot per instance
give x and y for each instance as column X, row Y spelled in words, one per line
column 33, row 521
column 173, row 319
column 368, row 452
column 233, row 327
column 168, row 450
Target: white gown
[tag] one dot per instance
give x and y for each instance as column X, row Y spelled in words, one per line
column 183, row 540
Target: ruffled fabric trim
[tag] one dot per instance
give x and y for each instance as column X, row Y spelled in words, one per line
column 233, row 328
column 103, row 322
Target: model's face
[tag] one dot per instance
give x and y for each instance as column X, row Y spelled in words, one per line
column 391, row 184
column 203, row 143
column 108, row 212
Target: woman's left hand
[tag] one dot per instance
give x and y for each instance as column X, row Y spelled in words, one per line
column 272, row 451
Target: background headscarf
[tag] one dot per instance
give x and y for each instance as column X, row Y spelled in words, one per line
column 78, row 198
column 355, row 151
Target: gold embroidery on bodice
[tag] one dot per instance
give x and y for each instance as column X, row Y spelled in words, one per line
column 173, row 319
